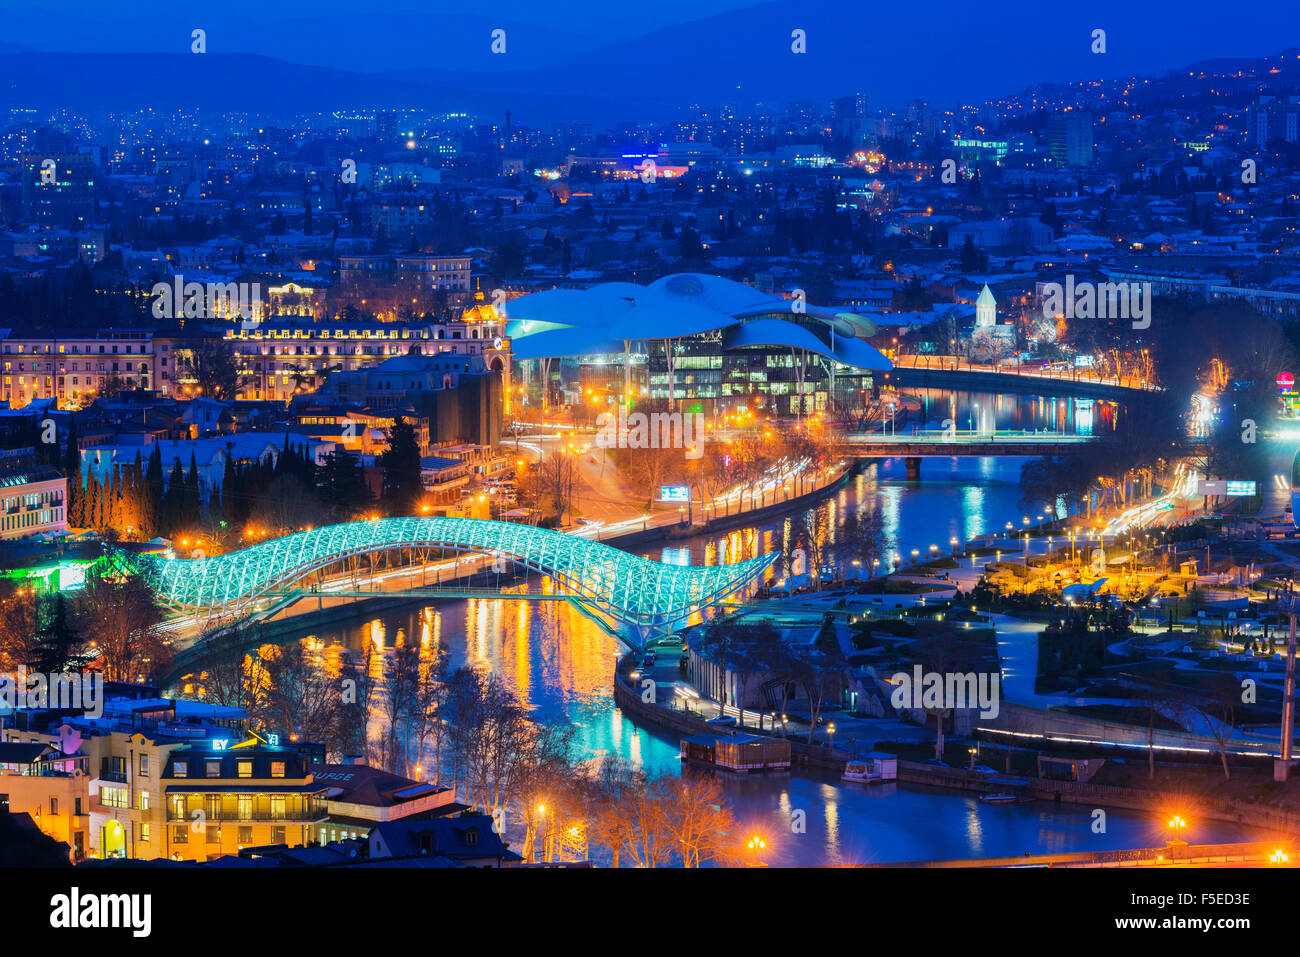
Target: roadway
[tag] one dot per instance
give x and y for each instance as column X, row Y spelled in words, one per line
column 959, row 372
column 946, row 442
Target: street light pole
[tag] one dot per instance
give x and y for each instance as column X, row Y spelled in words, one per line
column 1282, row 768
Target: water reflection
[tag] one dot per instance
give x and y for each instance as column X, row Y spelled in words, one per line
column 986, row 412
column 560, row 664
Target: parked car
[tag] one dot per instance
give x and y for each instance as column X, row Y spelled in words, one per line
column 983, row 769
column 937, row 763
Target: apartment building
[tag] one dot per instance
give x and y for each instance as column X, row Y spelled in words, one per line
column 281, row 358
column 33, row 496
column 222, row 798
column 73, row 368
column 169, row 778
column 52, row 787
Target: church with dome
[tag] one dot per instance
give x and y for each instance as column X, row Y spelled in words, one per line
column 990, row 339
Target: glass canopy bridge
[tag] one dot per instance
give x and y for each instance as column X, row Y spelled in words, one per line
column 608, row 584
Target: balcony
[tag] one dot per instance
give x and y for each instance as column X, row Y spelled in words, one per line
column 97, row 805
column 289, row 817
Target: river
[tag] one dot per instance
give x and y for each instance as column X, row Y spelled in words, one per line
column 560, row 664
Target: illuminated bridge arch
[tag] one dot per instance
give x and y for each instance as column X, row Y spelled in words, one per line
column 636, row 591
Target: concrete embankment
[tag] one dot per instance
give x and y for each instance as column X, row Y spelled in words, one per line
column 806, row 756
column 1102, row 796
column 1014, row 719
column 659, row 718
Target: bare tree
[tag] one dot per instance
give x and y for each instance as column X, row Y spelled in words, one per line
column 1216, row 699
column 232, row 677
column 555, row 477
column 301, row 698
column 122, row 615
column 1159, row 695
column 606, row 799
column 17, row 626
column 646, row 809
column 699, row 819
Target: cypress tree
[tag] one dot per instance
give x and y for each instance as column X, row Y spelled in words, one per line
column 94, row 503
column 190, row 504
column 72, row 472
column 154, row 479
column 115, row 498
column 173, row 498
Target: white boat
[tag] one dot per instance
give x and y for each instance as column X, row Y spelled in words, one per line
column 858, row 771
column 998, row 798
column 873, row 767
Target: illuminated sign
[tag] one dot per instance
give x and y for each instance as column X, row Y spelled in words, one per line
column 1235, row 488
column 1285, row 380
column 674, row 493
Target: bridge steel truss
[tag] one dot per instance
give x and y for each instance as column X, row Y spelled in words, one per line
column 645, row 594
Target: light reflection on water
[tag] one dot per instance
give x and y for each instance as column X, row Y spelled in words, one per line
column 560, row 664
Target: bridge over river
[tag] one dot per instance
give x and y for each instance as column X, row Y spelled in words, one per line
column 914, row 446
column 957, row 372
column 645, row 595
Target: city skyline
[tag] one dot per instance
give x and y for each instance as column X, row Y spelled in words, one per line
column 721, row 436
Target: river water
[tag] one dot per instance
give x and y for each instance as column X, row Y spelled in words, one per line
column 560, row 664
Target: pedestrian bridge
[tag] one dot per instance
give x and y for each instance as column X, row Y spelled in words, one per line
column 635, row 591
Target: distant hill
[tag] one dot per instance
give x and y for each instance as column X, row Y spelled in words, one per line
column 944, row 51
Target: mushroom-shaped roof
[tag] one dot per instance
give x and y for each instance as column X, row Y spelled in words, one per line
column 778, row 332
column 599, row 320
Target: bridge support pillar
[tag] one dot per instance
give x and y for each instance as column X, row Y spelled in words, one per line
column 913, row 465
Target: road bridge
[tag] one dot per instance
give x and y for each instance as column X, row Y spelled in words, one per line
column 946, row 443
column 957, row 372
